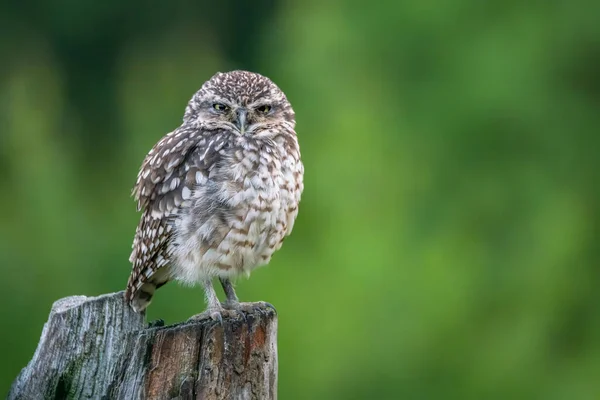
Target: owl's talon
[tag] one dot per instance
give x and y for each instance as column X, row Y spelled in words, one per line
column 267, row 305
column 216, row 316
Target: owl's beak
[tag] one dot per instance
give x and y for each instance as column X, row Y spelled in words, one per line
column 240, row 120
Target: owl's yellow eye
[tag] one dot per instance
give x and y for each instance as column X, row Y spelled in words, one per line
column 220, row 107
column 264, row 109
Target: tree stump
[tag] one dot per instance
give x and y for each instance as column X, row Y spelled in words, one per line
column 98, row 348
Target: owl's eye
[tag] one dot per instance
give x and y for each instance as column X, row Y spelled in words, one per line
column 264, row 109
column 220, row 107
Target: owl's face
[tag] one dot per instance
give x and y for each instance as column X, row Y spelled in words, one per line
column 243, row 102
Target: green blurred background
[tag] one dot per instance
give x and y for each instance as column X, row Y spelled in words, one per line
column 447, row 242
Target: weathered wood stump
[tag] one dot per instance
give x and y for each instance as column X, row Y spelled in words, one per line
column 98, row 348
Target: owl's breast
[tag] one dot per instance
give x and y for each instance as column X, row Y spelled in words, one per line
column 265, row 202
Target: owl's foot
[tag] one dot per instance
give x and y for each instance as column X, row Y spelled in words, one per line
column 214, row 314
column 246, row 307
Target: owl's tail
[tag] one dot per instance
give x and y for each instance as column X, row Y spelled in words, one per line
column 140, row 291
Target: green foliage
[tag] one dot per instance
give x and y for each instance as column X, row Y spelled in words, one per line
column 446, row 245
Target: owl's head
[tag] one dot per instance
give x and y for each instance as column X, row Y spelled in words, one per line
column 243, row 102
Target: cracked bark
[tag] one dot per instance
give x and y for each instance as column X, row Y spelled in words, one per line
column 98, row 348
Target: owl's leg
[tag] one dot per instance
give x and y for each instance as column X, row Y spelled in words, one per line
column 214, row 305
column 214, row 309
column 232, row 299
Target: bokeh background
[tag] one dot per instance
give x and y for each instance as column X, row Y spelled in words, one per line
column 447, row 242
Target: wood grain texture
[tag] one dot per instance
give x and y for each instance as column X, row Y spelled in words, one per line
column 98, row 348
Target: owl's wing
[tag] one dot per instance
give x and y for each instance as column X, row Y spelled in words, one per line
column 173, row 168
column 171, row 165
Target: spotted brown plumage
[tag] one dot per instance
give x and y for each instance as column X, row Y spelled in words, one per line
column 220, row 193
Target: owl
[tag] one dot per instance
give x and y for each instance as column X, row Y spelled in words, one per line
column 220, row 193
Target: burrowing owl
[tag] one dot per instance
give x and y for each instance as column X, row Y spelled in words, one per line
column 220, row 193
